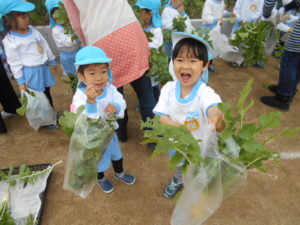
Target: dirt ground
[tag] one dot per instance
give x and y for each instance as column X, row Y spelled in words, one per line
column 266, row 199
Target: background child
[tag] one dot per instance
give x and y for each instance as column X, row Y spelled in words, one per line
column 64, row 43
column 246, row 11
column 28, row 53
column 188, row 98
column 101, row 99
column 152, row 23
column 173, row 9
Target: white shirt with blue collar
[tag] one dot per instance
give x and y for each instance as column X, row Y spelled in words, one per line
column 197, row 103
column 170, row 13
column 23, row 50
column 110, row 95
column 64, row 41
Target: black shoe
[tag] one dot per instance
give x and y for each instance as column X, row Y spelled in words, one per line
column 233, row 64
column 279, row 102
column 273, row 88
column 212, row 69
column 151, row 145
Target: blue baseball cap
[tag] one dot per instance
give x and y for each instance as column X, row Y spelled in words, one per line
column 7, row 6
column 154, row 6
column 51, row 4
column 91, row 55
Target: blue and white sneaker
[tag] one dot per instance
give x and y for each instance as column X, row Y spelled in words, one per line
column 127, row 179
column 105, row 185
column 172, row 188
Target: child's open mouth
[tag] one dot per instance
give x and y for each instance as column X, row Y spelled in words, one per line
column 185, row 77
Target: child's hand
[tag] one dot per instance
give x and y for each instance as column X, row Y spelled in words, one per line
column 91, row 94
column 221, row 21
column 215, row 116
column 55, row 69
column 22, row 87
column 232, row 15
column 110, row 109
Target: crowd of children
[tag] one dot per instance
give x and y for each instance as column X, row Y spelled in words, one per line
column 186, row 98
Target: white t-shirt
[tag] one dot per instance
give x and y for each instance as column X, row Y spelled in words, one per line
column 248, row 9
column 197, row 103
column 64, row 41
column 110, row 95
column 157, row 39
column 212, row 10
column 169, row 14
column 29, row 49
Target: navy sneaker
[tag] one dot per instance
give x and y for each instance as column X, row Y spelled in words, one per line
column 50, row 127
column 233, row 64
column 105, row 185
column 127, row 179
column 212, row 69
column 172, row 188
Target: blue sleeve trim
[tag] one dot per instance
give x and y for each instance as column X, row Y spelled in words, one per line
column 250, row 20
column 206, row 113
column 118, row 106
column 239, row 19
column 160, row 114
column 227, row 14
column 91, row 108
column 52, row 63
column 21, row 80
column 183, row 13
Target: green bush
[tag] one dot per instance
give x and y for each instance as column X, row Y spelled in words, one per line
column 39, row 16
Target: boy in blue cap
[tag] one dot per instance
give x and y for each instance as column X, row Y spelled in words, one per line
column 152, row 22
column 66, row 46
column 101, row 99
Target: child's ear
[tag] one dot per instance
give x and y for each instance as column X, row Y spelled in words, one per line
column 206, row 65
column 81, row 76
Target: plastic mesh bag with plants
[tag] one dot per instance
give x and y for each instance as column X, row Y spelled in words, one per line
column 206, row 185
column 88, row 142
column 36, row 107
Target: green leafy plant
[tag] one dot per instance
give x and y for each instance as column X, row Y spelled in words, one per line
column 193, row 7
column 178, row 25
column 72, row 81
column 204, row 34
column 252, row 153
column 39, row 16
column 169, row 137
column 5, row 215
column 251, row 38
column 62, row 18
column 24, row 102
column 68, row 119
column 30, row 220
column 25, row 174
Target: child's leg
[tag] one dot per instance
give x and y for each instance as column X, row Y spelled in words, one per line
column 175, row 184
column 48, row 95
column 117, row 162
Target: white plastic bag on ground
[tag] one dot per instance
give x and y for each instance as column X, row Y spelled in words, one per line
column 88, row 142
column 206, row 186
column 39, row 112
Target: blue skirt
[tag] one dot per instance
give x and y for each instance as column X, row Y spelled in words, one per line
column 67, row 60
column 38, row 77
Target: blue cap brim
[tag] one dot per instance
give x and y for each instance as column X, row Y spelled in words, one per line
column 94, row 60
column 23, row 7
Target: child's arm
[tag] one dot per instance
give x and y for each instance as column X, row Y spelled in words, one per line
column 215, row 116
column 62, row 39
column 168, row 120
column 15, row 62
